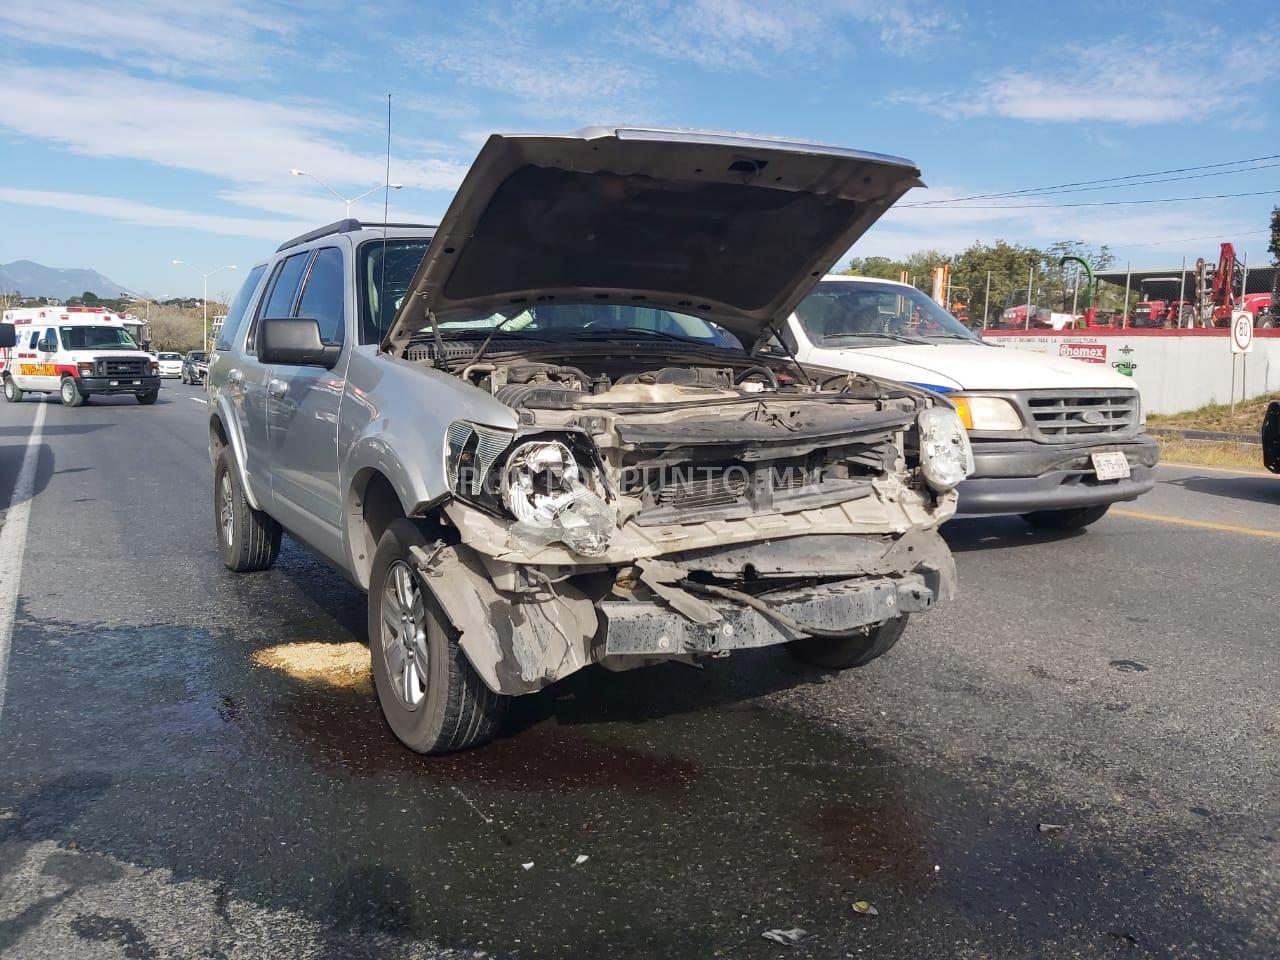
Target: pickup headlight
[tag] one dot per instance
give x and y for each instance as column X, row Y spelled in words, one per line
column 551, row 496
column 987, row 413
column 945, row 455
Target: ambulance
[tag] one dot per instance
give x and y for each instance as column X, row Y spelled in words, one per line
column 75, row 352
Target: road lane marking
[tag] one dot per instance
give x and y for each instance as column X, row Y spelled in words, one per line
column 1235, row 471
column 198, row 399
column 1199, row 524
column 13, row 543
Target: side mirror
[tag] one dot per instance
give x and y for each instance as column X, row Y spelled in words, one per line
column 46, row 346
column 295, row 342
column 8, row 336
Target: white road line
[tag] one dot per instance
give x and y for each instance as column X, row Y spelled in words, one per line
column 198, row 399
column 13, row 543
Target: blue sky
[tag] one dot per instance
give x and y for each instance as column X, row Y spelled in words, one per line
column 139, row 131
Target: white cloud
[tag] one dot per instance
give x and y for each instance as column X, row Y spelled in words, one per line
column 147, row 215
column 101, row 113
column 317, row 206
column 1167, row 79
column 188, row 37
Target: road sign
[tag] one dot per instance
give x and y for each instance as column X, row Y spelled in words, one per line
column 1242, row 332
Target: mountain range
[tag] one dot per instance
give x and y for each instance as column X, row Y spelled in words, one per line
column 33, row 279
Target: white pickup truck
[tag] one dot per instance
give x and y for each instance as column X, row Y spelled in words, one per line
column 1055, row 440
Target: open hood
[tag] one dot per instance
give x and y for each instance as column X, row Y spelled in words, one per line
column 734, row 228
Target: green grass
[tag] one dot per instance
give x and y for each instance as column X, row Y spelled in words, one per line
column 1218, row 416
column 1212, row 453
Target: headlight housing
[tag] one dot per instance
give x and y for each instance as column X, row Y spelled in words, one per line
column 987, row 413
column 552, row 498
column 945, row 455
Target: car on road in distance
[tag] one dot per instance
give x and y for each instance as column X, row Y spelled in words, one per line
column 170, row 364
column 521, row 435
column 76, row 357
column 195, row 367
column 1054, row 439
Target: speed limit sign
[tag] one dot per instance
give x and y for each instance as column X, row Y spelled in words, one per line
column 1242, row 332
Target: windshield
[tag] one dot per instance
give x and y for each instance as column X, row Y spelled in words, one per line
column 386, row 270
column 170, row 356
column 197, row 355
column 593, row 321
column 96, row 338
column 862, row 314
column 383, row 284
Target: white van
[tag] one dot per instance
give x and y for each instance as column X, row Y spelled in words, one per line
column 1055, row 440
column 75, row 354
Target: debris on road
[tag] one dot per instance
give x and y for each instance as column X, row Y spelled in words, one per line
column 788, row 938
column 864, row 908
column 340, row 666
column 527, row 866
column 1050, row 827
column 581, row 859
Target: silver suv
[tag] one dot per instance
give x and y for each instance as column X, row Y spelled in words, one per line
column 534, row 437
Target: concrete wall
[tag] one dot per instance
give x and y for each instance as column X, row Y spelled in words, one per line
column 1174, row 370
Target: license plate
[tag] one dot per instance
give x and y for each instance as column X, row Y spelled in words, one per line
column 1111, row 466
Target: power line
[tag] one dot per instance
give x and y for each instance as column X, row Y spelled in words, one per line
column 1165, row 243
column 1116, row 180
column 1109, row 203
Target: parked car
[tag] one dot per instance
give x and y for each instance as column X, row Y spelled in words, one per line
column 1054, row 439
column 522, row 436
column 195, row 367
column 170, row 364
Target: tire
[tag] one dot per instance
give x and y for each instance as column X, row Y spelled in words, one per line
column 68, row 393
column 1075, row 519
column 12, row 392
column 453, row 709
column 848, row 652
column 248, row 539
column 183, row 377
column 148, row 397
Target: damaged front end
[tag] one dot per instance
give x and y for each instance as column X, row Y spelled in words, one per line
column 642, row 512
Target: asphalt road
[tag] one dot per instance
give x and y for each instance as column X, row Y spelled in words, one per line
column 162, row 794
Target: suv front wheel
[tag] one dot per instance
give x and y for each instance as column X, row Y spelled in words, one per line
column 69, row 394
column 856, row 650
column 248, row 539
column 432, row 697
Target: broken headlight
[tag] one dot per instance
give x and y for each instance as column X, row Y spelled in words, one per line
column 470, row 450
column 945, row 455
column 553, row 498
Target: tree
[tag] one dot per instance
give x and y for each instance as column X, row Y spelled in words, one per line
column 1274, row 247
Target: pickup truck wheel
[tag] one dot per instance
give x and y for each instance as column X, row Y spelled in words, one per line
column 12, row 392
column 1075, row 519
column 248, row 539
column 148, row 397
column 68, row 393
column 432, row 697
column 847, row 652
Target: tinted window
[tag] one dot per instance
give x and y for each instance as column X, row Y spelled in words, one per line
column 324, row 296
column 285, row 289
column 35, row 338
column 97, row 338
column 52, row 336
column 238, row 308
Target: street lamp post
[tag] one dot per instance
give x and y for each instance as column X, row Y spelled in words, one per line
column 347, row 200
column 204, row 298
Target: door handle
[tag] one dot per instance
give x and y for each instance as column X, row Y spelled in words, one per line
column 277, row 388
column 234, row 376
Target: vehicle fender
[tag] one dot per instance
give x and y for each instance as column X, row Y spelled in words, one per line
column 225, row 415
column 1271, row 437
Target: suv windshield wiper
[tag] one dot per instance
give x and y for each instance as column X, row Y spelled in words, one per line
column 901, row 338
column 950, row 336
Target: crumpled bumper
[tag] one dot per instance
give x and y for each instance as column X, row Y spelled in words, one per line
column 647, row 628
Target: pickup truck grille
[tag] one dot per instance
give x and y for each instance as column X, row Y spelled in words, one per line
column 1066, row 415
column 121, row 367
column 708, row 487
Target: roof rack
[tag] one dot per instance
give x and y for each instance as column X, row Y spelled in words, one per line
column 349, row 225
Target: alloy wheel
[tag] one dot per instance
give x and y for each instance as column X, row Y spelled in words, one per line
column 404, row 635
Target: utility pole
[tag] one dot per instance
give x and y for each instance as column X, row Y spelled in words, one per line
column 1128, row 274
column 986, row 302
column 1031, row 279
